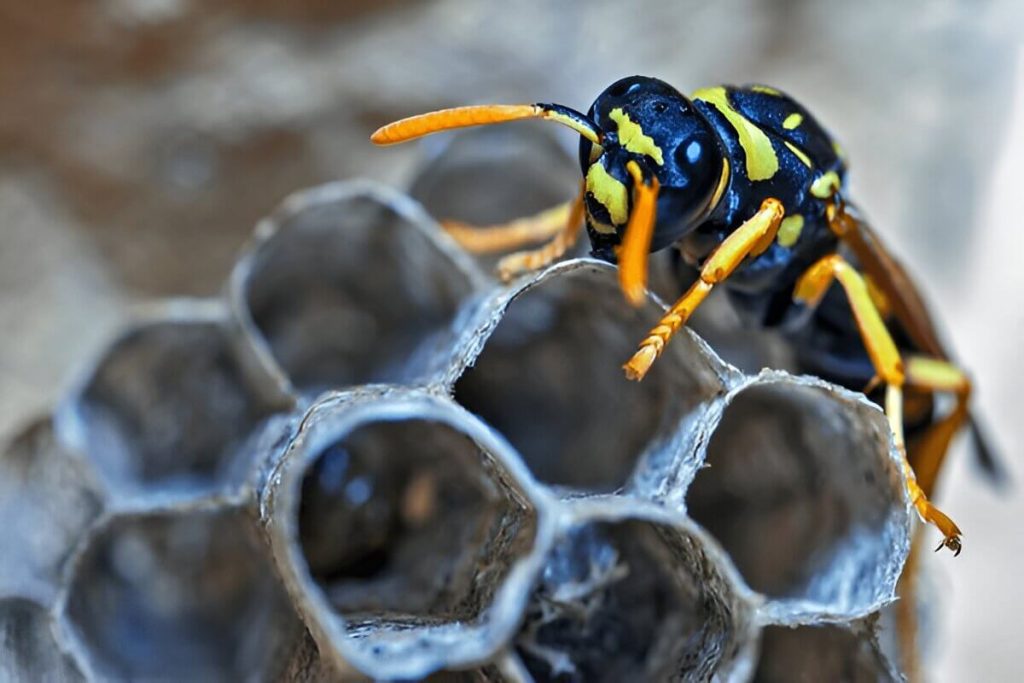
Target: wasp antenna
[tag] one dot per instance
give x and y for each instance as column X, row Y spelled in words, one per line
column 482, row 115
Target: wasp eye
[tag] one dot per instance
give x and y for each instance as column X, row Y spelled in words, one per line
column 689, row 154
column 660, row 107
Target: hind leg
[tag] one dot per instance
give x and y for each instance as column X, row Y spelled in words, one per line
column 888, row 365
column 929, row 450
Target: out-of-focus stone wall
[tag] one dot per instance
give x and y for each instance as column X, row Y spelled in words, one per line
column 141, row 139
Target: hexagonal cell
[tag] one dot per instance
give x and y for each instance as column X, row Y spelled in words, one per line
column 829, row 652
column 28, row 651
column 632, row 593
column 490, row 175
column 803, row 489
column 549, row 378
column 406, row 530
column 187, row 595
column 168, row 407
column 349, row 283
column 48, row 499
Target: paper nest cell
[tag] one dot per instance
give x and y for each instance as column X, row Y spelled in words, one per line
column 370, row 459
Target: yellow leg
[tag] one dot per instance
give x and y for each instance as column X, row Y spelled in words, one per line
column 569, row 233
column 636, row 246
column 888, row 365
column 926, row 455
column 929, row 450
column 506, row 236
column 750, row 239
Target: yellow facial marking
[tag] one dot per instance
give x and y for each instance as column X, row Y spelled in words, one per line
column 609, row 192
column 789, row 230
column 825, row 186
column 766, row 90
column 762, row 162
column 792, row 121
column 799, row 154
column 631, row 136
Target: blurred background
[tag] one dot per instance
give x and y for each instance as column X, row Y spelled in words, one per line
column 140, row 141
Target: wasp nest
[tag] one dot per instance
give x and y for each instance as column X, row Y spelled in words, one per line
column 371, row 460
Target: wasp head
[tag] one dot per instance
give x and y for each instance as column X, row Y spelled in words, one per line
column 648, row 121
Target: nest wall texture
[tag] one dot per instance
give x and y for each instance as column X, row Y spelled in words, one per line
column 369, row 459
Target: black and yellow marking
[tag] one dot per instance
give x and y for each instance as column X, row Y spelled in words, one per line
column 761, row 162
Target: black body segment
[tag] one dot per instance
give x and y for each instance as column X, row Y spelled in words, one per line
column 775, row 149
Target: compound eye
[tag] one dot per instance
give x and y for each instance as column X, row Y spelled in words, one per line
column 689, row 153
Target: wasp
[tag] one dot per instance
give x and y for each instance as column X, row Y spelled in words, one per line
column 750, row 190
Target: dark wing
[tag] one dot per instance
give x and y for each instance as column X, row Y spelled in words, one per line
column 909, row 309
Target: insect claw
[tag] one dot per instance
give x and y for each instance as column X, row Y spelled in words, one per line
column 953, row 543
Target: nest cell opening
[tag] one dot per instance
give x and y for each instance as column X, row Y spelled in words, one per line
column 820, row 653
column 346, row 292
column 550, row 380
column 168, row 408
column 627, row 601
column 47, row 501
column 180, row 596
column 799, row 489
column 409, row 523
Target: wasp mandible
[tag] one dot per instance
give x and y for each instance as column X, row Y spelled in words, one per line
column 750, row 189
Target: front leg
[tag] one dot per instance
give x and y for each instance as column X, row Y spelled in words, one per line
column 750, row 239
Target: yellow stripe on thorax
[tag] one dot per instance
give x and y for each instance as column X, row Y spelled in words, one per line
column 632, row 137
column 799, row 154
column 762, row 161
column 609, row 192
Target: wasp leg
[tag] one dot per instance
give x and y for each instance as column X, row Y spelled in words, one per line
column 636, row 245
column 564, row 239
column 930, row 449
column 488, row 239
column 927, row 452
column 750, row 239
column 887, row 363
